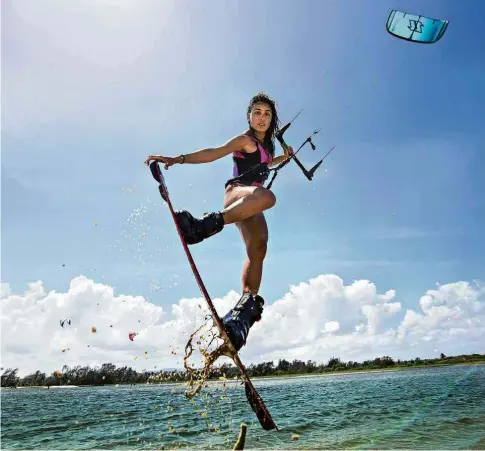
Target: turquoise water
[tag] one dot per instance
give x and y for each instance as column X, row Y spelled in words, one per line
column 434, row 408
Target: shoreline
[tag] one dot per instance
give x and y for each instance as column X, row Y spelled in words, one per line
column 373, row 370
column 278, row 376
column 42, row 386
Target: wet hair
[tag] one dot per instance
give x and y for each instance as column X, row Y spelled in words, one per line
column 269, row 137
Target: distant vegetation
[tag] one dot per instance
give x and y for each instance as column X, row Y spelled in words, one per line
column 109, row 374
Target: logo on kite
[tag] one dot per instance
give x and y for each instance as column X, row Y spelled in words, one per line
column 132, row 335
column 64, row 321
column 415, row 28
column 416, row 25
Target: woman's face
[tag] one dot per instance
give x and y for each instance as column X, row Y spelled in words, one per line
column 260, row 117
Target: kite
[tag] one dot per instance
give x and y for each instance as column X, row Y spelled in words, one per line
column 415, row 28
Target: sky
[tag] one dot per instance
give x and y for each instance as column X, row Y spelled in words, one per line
column 381, row 254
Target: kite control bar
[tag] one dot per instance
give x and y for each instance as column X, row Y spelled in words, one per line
column 308, row 173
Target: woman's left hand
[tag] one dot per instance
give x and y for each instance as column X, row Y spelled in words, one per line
column 288, row 151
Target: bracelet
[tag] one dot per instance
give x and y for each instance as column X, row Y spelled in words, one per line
column 183, row 159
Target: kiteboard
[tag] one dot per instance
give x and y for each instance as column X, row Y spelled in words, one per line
column 254, row 399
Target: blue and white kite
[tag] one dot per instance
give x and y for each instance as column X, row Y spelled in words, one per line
column 415, row 28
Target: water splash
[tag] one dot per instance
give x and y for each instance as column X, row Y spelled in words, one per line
column 207, row 341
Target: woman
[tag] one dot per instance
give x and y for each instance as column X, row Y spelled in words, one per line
column 245, row 200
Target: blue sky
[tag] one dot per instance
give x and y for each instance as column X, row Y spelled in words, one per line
column 91, row 88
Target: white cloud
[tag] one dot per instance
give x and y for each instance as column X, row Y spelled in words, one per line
column 314, row 320
column 454, row 311
column 331, row 326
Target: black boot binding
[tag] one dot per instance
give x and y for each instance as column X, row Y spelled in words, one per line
column 241, row 318
column 195, row 230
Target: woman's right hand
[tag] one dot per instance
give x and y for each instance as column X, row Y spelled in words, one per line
column 169, row 161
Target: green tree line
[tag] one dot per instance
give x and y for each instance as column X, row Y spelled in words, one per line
column 108, row 373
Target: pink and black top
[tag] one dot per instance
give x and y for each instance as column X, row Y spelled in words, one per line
column 251, row 169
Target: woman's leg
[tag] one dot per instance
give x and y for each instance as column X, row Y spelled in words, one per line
column 243, row 202
column 254, row 232
column 240, row 203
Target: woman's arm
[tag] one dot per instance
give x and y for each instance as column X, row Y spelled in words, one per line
column 212, row 154
column 240, row 142
column 279, row 159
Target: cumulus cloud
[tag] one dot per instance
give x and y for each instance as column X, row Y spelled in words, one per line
column 451, row 312
column 33, row 338
column 314, row 320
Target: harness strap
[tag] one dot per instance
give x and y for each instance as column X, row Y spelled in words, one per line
column 257, row 173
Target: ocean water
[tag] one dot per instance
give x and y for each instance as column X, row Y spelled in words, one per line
column 429, row 408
